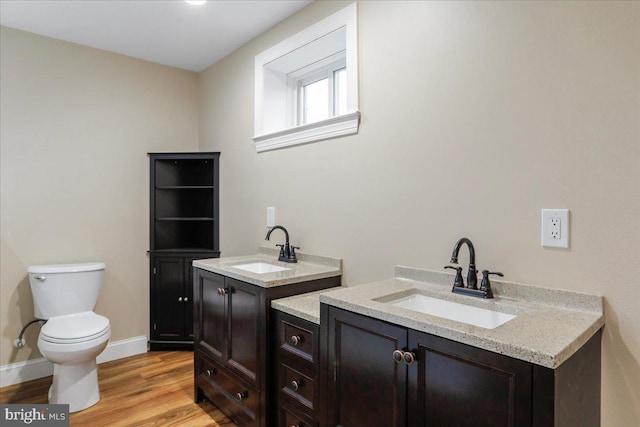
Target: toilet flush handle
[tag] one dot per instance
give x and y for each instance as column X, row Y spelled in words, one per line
column 41, row 278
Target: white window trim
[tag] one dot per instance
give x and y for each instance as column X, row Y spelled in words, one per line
column 346, row 124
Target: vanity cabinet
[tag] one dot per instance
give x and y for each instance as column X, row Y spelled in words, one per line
column 183, row 219
column 439, row 382
column 298, row 379
column 234, row 344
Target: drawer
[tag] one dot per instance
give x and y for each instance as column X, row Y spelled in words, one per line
column 297, row 385
column 291, row 417
column 298, row 338
column 239, row 400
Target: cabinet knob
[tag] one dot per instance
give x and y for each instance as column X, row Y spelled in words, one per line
column 222, row 291
column 210, row 372
column 186, row 299
column 179, row 299
column 295, row 385
column 295, row 340
column 398, row 356
column 242, row 395
column 409, row 357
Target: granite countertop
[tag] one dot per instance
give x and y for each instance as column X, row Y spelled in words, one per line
column 550, row 325
column 309, row 267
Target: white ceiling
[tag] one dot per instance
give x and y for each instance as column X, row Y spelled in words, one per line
column 169, row 32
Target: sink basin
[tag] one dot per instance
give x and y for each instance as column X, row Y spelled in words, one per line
column 482, row 317
column 260, row 267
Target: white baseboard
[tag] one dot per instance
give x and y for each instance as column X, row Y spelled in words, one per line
column 15, row 373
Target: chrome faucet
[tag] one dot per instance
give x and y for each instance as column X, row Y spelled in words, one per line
column 287, row 253
column 472, row 274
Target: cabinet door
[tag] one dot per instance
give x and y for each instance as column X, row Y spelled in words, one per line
column 245, row 330
column 453, row 384
column 368, row 387
column 210, row 297
column 168, row 298
column 188, row 295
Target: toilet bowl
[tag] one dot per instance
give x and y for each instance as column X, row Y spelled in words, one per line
column 72, row 342
column 73, row 335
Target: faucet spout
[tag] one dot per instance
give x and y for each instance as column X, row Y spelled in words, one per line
column 278, row 227
column 287, row 252
column 472, row 275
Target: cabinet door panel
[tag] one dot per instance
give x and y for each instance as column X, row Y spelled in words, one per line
column 168, row 309
column 369, row 387
column 244, row 332
column 453, row 384
column 212, row 314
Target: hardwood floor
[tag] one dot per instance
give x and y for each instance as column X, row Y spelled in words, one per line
column 152, row 389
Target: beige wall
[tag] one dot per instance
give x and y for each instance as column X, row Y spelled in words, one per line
column 475, row 115
column 76, row 126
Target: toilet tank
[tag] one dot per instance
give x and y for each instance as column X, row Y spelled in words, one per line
column 60, row 289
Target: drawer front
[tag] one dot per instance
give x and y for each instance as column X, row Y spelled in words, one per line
column 290, row 417
column 239, row 400
column 297, row 385
column 299, row 339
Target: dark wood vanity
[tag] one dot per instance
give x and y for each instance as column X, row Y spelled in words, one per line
column 342, row 359
column 446, row 383
column 235, row 344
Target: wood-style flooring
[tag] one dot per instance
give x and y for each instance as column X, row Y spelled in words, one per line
column 152, row 389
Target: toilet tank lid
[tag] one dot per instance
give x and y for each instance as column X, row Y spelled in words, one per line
column 66, row 268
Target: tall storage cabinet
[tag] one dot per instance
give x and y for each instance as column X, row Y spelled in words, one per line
column 183, row 226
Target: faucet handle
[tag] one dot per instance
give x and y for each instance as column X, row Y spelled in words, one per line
column 458, row 282
column 485, row 285
column 292, row 255
column 281, row 251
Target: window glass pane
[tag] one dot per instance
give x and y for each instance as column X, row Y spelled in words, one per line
column 340, row 91
column 315, row 101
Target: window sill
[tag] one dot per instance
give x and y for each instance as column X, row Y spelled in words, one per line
column 347, row 124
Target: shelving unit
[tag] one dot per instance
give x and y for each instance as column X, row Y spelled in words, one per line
column 183, row 227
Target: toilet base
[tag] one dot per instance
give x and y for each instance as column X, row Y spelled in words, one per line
column 75, row 385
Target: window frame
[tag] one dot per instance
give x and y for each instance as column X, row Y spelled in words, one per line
column 300, row 81
column 275, row 123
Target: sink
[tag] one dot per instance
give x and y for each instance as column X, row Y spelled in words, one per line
column 260, row 267
column 471, row 315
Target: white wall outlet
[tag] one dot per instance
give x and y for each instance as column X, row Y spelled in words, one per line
column 555, row 228
column 271, row 217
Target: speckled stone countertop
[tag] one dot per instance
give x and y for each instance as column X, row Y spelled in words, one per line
column 550, row 325
column 309, row 267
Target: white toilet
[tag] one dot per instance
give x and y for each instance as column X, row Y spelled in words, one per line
column 72, row 338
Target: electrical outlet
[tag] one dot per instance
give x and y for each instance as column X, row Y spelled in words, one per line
column 555, row 228
column 271, row 217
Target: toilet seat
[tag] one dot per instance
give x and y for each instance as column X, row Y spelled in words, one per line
column 75, row 328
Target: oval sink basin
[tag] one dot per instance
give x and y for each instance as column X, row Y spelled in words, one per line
column 470, row 315
column 260, row 267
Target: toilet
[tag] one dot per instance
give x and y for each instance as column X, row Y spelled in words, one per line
column 73, row 336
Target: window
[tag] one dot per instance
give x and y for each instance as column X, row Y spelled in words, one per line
column 319, row 95
column 307, row 87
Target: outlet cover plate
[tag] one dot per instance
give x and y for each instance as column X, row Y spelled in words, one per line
column 555, row 228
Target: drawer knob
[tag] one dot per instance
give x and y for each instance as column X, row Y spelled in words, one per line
column 295, row 385
column 242, row 395
column 210, row 372
column 295, row 340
